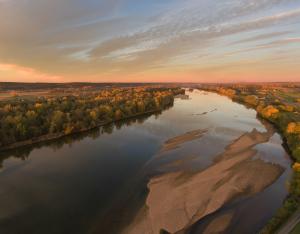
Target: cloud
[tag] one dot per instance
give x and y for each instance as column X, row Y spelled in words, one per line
column 183, row 42
column 94, row 38
column 285, row 41
column 261, row 37
column 270, row 45
column 19, row 73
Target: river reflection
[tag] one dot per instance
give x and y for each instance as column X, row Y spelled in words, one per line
column 96, row 182
column 24, row 152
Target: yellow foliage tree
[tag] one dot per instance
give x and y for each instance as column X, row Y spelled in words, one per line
column 296, row 167
column 118, row 114
column 293, row 128
column 269, row 111
column 69, row 129
column 94, row 115
column 252, row 100
column 287, row 108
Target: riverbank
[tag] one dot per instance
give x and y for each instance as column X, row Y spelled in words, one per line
column 125, row 153
column 56, row 136
column 269, row 108
column 41, row 118
column 290, row 224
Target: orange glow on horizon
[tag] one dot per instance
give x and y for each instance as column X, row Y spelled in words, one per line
column 16, row 73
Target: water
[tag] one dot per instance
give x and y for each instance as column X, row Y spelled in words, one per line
column 95, row 182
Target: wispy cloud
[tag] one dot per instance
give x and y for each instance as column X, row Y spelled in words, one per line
column 125, row 37
column 183, row 42
column 260, row 37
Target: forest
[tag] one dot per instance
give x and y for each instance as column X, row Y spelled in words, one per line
column 23, row 119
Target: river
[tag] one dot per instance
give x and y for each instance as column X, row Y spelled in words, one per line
column 97, row 182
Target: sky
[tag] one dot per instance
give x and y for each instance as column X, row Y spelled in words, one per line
column 149, row 40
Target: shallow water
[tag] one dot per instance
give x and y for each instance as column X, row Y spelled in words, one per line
column 95, row 182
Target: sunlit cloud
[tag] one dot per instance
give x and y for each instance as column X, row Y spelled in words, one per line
column 124, row 40
column 13, row 72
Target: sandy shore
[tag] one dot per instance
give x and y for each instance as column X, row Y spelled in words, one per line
column 219, row 224
column 177, row 200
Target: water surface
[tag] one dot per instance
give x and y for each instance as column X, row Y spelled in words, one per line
column 95, row 182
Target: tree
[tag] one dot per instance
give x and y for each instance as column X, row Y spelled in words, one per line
column 26, row 119
column 94, row 115
column 296, row 167
column 57, row 121
column 269, row 111
column 293, row 128
column 118, row 114
column 141, row 106
column 251, row 100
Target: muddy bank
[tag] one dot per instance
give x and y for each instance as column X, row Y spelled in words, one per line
column 179, row 199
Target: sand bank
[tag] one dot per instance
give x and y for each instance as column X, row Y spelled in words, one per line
column 177, row 200
column 175, row 142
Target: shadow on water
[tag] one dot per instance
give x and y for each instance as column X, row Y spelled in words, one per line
column 99, row 188
column 56, row 144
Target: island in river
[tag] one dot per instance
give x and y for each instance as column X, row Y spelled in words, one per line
column 176, row 172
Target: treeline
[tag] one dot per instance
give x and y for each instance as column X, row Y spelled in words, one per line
column 19, row 86
column 23, row 120
column 24, row 153
column 280, row 107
